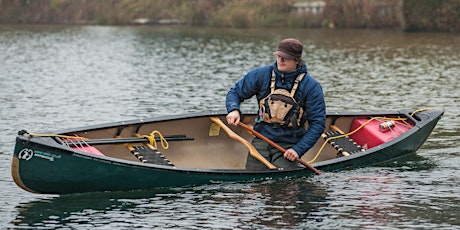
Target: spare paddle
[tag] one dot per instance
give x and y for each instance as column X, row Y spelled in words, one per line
column 124, row 140
column 243, row 141
column 257, row 134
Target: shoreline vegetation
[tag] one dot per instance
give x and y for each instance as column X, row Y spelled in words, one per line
column 404, row 15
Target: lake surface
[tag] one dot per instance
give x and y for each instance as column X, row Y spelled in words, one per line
column 55, row 77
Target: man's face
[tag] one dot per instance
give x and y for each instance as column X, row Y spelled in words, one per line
column 286, row 64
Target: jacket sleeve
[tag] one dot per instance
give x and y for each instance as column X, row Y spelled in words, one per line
column 243, row 89
column 316, row 117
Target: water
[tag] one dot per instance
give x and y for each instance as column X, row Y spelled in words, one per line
column 54, row 77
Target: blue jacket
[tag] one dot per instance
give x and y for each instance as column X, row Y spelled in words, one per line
column 309, row 95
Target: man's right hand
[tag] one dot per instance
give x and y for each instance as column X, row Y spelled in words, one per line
column 233, row 118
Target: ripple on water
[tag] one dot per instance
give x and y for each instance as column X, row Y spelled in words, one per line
column 59, row 77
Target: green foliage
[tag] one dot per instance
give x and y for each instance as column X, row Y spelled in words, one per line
column 428, row 15
column 363, row 14
column 251, row 13
column 411, row 15
column 297, row 21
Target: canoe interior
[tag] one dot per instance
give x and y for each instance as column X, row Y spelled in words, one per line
column 212, row 148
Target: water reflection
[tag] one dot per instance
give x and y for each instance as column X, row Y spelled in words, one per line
column 272, row 204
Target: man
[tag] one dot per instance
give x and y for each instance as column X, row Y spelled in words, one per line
column 289, row 98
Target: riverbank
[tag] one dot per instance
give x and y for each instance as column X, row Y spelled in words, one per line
column 404, row 15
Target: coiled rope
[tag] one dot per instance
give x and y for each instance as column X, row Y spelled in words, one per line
column 151, row 138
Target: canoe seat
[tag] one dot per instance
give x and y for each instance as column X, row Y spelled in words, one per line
column 150, row 155
column 343, row 144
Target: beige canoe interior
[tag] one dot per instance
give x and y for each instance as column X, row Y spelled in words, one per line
column 211, row 146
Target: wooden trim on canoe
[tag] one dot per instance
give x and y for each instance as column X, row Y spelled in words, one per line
column 17, row 177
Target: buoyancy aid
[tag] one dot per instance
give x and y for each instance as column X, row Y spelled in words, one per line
column 280, row 107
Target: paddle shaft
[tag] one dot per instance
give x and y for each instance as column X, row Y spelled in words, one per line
column 123, row 140
column 270, row 142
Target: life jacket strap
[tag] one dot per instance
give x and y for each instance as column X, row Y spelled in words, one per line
column 294, row 87
column 273, row 81
column 296, row 83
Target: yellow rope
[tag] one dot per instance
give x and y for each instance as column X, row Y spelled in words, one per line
column 152, row 141
column 351, row 133
column 56, row 135
column 419, row 110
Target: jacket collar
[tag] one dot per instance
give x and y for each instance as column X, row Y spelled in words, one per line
column 290, row 75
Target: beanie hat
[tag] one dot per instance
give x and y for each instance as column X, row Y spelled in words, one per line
column 289, row 48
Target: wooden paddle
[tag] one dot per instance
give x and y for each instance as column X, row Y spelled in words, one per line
column 257, row 134
column 243, row 141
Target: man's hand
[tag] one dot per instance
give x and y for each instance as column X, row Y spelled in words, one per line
column 291, row 155
column 233, row 118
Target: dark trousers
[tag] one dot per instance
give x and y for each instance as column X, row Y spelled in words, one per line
column 270, row 153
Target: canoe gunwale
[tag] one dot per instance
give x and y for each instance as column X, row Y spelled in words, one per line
column 422, row 128
column 133, row 122
column 418, row 125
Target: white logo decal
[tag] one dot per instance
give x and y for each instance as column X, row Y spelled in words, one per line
column 26, row 154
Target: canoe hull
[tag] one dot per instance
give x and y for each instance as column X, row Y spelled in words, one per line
column 65, row 172
column 42, row 166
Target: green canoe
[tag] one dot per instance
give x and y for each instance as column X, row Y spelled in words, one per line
column 191, row 149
